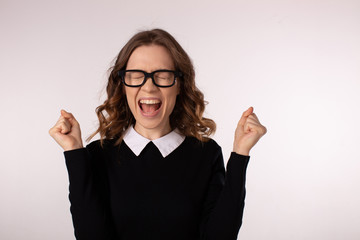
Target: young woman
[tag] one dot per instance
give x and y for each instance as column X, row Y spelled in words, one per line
column 155, row 173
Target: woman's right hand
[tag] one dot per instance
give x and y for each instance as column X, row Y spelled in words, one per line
column 66, row 132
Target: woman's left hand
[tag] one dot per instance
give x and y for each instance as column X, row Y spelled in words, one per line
column 248, row 132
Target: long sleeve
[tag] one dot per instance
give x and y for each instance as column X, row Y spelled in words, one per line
column 115, row 194
column 87, row 195
column 224, row 205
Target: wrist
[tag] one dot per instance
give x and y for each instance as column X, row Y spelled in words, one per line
column 69, row 148
column 241, row 151
column 244, row 153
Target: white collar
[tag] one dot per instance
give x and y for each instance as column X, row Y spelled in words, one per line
column 166, row 144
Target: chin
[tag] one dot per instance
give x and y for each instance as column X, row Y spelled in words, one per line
column 157, row 122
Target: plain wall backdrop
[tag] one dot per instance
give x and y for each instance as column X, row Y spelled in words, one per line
column 296, row 62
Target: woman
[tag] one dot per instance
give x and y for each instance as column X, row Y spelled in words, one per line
column 155, row 173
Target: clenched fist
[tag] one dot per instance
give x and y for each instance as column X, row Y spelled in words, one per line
column 66, row 132
column 248, row 132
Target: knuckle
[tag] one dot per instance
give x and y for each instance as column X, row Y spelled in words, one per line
column 263, row 130
column 61, row 119
column 66, row 122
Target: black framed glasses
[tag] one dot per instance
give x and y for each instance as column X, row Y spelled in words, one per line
column 160, row 78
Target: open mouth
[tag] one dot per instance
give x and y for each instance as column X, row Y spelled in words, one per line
column 149, row 106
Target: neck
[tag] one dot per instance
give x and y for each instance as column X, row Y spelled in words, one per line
column 152, row 133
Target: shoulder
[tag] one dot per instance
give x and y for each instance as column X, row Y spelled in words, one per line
column 208, row 153
column 208, row 144
column 101, row 154
column 208, row 148
column 96, row 147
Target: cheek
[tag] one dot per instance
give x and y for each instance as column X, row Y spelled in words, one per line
column 130, row 97
column 171, row 101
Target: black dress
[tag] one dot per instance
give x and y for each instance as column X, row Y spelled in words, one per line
column 187, row 195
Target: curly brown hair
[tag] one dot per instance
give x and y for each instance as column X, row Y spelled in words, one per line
column 114, row 114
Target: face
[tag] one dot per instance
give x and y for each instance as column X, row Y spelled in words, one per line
column 151, row 105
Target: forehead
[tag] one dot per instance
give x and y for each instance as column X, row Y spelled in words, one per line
column 150, row 58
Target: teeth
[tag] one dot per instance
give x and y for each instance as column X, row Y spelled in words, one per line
column 149, row 101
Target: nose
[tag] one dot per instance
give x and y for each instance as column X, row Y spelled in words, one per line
column 149, row 85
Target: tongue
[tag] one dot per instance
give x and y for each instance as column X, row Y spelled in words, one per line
column 150, row 108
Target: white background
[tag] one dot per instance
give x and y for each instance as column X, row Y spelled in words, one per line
column 296, row 62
